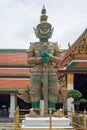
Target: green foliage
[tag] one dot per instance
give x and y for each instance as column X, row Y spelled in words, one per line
column 76, row 102
column 76, row 95
column 82, row 100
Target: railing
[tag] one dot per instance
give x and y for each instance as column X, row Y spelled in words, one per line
column 77, row 121
column 16, row 119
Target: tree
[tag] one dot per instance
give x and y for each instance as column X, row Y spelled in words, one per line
column 77, row 96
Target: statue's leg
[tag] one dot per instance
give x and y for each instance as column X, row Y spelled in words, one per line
column 52, row 91
column 51, row 105
column 35, row 106
column 35, row 91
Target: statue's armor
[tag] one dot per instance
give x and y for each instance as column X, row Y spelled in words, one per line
column 44, row 56
column 36, row 80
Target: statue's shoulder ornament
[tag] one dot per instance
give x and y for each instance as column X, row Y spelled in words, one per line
column 53, row 44
column 34, row 45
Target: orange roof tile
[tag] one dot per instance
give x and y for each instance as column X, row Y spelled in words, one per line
column 14, row 71
column 81, row 64
column 5, row 83
column 13, row 58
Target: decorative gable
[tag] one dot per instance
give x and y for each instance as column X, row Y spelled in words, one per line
column 78, row 51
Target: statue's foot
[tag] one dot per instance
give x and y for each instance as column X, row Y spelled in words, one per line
column 55, row 114
column 33, row 113
column 58, row 113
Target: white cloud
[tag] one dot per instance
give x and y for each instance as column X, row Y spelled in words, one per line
column 18, row 17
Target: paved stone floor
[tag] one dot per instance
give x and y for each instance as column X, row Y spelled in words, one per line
column 6, row 126
column 9, row 126
column 6, row 123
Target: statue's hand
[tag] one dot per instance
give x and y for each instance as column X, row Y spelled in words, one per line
column 44, row 59
column 44, row 54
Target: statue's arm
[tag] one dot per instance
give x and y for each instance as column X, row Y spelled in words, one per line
column 55, row 58
column 57, row 55
column 32, row 59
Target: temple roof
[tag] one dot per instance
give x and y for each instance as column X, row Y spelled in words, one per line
column 17, row 72
column 14, row 70
column 13, row 84
column 13, row 57
column 75, row 65
column 78, row 50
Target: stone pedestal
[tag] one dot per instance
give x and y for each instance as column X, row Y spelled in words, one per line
column 44, row 122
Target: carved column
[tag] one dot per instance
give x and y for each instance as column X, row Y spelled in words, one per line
column 70, row 85
column 12, row 105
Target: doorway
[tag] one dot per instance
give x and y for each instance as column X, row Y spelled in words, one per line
column 80, row 83
column 4, row 105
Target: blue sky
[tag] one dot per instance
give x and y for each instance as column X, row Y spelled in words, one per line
column 18, row 17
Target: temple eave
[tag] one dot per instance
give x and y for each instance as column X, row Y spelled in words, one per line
column 73, row 71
